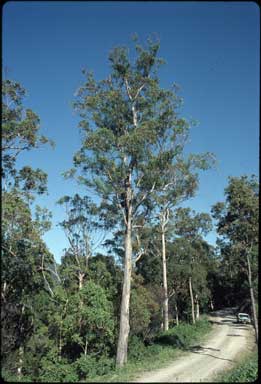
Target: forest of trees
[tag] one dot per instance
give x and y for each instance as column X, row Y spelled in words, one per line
column 67, row 321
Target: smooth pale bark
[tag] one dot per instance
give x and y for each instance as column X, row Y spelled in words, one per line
column 165, row 285
column 121, row 357
column 192, row 301
column 252, row 298
column 20, row 355
column 60, row 346
column 177, row 313
column 80, row 278
column 20, row 366
column 4, row 290
column 197, row 307
column 85, row 347
column 161, row 324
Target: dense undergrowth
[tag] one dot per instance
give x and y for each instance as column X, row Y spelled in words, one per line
column 65, row 321
column 162, row 348
column 245, row 371
column 165, row 347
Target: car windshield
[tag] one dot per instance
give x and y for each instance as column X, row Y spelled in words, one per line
column 243, row 315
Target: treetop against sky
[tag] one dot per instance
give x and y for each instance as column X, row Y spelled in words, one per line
column 211, row 52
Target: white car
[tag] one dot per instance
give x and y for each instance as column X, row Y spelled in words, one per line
column 243, row 318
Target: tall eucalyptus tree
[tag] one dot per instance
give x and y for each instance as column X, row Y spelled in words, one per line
column 131, row 131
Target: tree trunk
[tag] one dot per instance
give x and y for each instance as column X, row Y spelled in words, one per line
column 121, row 357
column 60, row 345
column 252, row 298
column 20, row 366
column 4, row 290
column 197, row 307
column 161, row 324
column 165, row 285
column 80, row 278
column 20, row 352
column 85, row 347
column 192, row 301
column 177, row 313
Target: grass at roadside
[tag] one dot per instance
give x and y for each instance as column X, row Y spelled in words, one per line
column 245, row 370
column 167, row 346
column 161, row 358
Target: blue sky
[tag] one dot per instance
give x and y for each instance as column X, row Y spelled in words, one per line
column 211, row 50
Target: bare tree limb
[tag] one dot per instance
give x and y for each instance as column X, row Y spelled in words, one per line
column 140, row 253
column 139, row 90
column 172, row 293
column 144, row 197
column 8, row 250
column 44, row 277
column 128, row 89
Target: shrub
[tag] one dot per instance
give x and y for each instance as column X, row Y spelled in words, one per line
column 245, row 372
column 60, row 372
column 183, row 335
column 136, row 348
column 143, row 308
column 90, row 308
column 10, row 377
column 88, row 366
column 153, row 350
column 56, row 369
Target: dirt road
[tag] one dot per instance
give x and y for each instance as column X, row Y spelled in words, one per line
column 218, row 352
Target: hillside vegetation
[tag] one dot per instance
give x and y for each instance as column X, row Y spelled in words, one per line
column 137, row 298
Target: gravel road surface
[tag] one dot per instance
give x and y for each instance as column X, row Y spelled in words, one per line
column 225, row 342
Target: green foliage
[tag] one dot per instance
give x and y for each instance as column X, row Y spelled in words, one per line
column 64, row 320
column 89, row 366
column 23, row 254
column 30, row 180
column 184, row 335
column 25, row 257
column 184, row 258
column 131, row 154
column 127, row 120
column 136, row 348
column 82, row 320
column 57, row 370
column 147, row 358
column 104, row 272
column 237, row 226
column 143, row 309
column 12, row 378
column 245, row 372
column 20, row 128
column 139, row 352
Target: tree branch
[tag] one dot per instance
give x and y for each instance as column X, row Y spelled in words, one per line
column 139, row 90
column 8, row 250
column 144, row 197
column 44, row 277
column 140, row 253
column 172, row 293
column 118, row 200
column 128, row 89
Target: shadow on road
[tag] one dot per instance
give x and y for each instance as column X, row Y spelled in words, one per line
column 201, row 351
column 215, row 322
column 235, row 335
column 200, row 348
